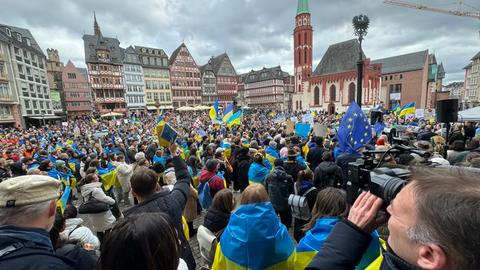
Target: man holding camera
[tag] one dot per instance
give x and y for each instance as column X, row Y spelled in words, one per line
column 433, row 225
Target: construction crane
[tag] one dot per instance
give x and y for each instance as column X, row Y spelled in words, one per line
column 461, row 13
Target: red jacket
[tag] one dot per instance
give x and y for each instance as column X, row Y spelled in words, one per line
column 216, row 182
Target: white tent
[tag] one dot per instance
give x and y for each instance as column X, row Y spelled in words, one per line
column 472, row 114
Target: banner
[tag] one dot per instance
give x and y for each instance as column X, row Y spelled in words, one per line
column 302, row 129
column 320, row 130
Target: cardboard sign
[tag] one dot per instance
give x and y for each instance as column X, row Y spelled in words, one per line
column 290, row 127
column 419, row 113
column 320, row 130
column 65, row 124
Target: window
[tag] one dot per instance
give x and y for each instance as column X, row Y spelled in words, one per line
column 9, row 33
column 19, row 37
column 351, row 92
column 305, row 56
column 28, row 41
column 316, row 96
column 333, row 93
column 305, row 38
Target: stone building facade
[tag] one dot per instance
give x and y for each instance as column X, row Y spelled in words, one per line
column 9, row 105
column 134, row 80
column 209, row 84
column 471, row 93
column 54, row 75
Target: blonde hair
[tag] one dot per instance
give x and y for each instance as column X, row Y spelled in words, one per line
column 255, row 193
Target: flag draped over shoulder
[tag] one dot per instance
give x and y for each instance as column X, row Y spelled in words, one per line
column 354, row 131
column 214, row 110
column 235, row 119
column 271, row 154
column 255, row 239
column 407, row 109
column 316, row 237
column 228, row 112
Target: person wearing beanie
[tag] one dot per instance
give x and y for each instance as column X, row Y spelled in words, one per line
column 209, row 174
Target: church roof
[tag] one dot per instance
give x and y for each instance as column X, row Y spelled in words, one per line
column 339, row 57
column 302, row 7
column 402, row 63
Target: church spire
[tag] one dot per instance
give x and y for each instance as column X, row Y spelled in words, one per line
column 96, row 28
column 302, row 7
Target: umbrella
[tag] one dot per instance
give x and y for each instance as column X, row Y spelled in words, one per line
column 112, row 114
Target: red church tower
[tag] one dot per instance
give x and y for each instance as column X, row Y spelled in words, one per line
column 302, row 45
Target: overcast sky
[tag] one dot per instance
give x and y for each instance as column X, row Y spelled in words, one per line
column 255, row 33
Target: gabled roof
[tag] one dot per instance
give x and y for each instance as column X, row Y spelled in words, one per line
column 217, row 62
column 339, row 57
column 441, row 71
column 402, row 63
column 207, row 67
column 265, row 74
column 476, row 56
column 92, row 43
column 25, row 33
column 175, row 53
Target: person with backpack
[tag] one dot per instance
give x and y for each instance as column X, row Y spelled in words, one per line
column 75, row 230
column 210, row 183
column 279, row 186
column 327, row 173
column 292, row 166
column 24, row 238
column 306, row 191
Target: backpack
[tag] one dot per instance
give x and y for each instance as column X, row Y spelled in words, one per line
column 278, row 189
column 299, row 204
column 204, row 195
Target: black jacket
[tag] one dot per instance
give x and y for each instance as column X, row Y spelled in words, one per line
column 314, row 157
column 345, row 247
column 216, row 220
column 292, row 167
column 30, row 254
column 426, row 136
column 327, row 174
column 342, row 161
column 240, row 172
column 173, row 204
column 279, row 186
column 86, row 260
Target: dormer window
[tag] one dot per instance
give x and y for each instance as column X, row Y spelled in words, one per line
column 19, row 37
column 28, row 41
column 9, row 33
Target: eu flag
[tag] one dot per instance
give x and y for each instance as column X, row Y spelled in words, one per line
column 354, row 130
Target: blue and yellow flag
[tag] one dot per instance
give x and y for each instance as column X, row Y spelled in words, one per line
column 271, row 154
column 354, row 131
column 407, row 109
column 396, row 109
column 235, row 119
column 135, row 119
column 316, row 237
column 257, row 173
column 214, row 110
column 62, row 202
column 110, row 180
column 254, row 239
column 228, row 112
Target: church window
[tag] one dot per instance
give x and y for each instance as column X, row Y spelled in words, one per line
column 305, row 39
column 351, row 92
column 333, row 93
column 305, row 56
column 316, row 96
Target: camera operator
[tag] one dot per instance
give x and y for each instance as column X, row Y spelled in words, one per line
column 433, row 224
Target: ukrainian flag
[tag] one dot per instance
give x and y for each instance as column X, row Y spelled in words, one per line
column 110, row 179
column 271, row 154
column 235, row 119
column 396, row 109
column 407, row 109
column 227, row 147
column 254, row 239
column 62, row 202
column 316, row 237
column 257, row 173
column 214, row 110
column 228, row 112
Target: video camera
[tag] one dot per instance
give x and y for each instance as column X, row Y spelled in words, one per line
column 366, row 174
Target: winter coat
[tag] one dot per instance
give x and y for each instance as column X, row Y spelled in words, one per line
column 75, row 231
column 86, row 259
column 38, row 255
column 279, row 186
column 240, row 172
column 327, row 174
column 314, row 156
column 100, row 221
column 456, row 136
column 124, row 173
column 216, row 220
column 344, row 248
column 216, row 182
column 292, row 168
column 190, row 212
column 172, row 203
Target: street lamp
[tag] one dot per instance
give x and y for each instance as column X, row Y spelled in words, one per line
column 360, row 26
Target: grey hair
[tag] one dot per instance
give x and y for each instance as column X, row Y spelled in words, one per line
column 21, row 215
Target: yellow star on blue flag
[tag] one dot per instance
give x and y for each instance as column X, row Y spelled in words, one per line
column 354, row 130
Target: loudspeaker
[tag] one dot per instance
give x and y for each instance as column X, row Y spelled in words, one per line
column 447, row 110
column 374, row 116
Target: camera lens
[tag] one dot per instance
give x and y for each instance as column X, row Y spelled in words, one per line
column 391, row 188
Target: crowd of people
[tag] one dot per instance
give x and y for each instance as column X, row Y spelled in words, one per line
column 105, row 194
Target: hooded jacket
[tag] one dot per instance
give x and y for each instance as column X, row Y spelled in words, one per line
column 100, row 221
column 327, row 174
column 216, row 183
column 77, row 232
